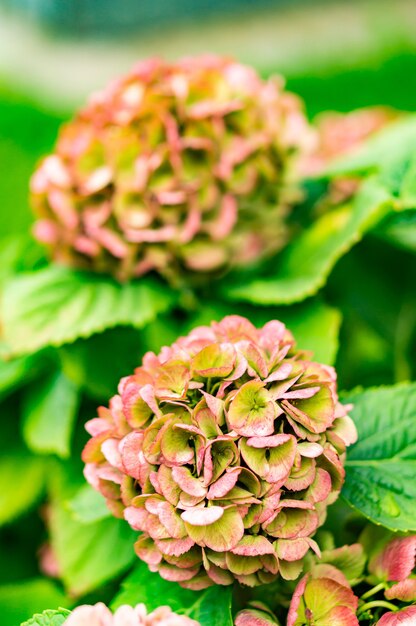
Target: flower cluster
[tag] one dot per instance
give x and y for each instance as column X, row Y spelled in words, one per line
column 100, row 615
column 185, row 167
column 224, row 450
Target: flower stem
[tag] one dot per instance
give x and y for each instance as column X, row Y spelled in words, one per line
column 375, row 604
column 373, row 591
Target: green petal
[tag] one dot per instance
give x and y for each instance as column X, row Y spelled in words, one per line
column 222, row 535
column 214, row 361
column 271, row 463
column 252, row 411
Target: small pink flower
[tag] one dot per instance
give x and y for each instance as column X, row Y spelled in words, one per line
column 100, row 615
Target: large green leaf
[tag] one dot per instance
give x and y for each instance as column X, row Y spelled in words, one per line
column 18, row 602
column 211, row 607
column 49, row 414
column 87, row 505
column 90, row 554
column 381, row 466
column 87, row 361
column 56, row 305
column 48, row 618
column 305, row 265
column 315, row 327
column 22, row 482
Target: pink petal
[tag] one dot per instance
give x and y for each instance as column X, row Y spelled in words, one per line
column 406, row 617
column 132, row 455
column 310, row 450
column 269, row 442
column 253, row 545
column 175, row 547
column 224, row 484
column 397, row 559
column 188, row 483
column 300, row 394
column 405, row 591
column 296, row 598
column 99, row 179
column 226, row 219
column 280, row 374
column 176, row 574
column 203, row 517
column 136, row 517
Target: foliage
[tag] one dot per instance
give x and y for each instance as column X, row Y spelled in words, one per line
column 381, row 466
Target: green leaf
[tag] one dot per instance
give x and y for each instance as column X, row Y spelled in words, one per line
column 22, row 482
column 91, row 554
column 88, row 506
column 381, row 466
column 211, row 607
column 305, row 265
column 18, row 602
column 98, row 363
column 18, row 372
column 399, row 229
column 48, row 618
column 315, row 327
column 56, row 305
column 18, row 253
column 49, row 414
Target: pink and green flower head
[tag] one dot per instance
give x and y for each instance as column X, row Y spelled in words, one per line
column 224, row 451
column 179, row 168
column 100, row 615
column 323, row 601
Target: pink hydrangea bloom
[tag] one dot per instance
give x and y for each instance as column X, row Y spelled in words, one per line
column 224, row 450
column 100, row 615
column 186, row 167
